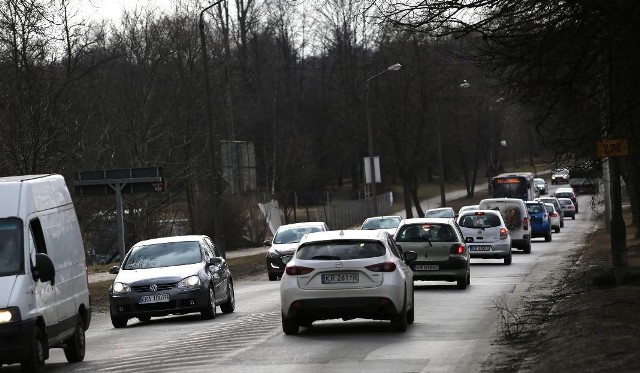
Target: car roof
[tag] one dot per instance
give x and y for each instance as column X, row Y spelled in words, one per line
column 565, row 199
column 441, row 209
column 186, row 238
column 303, row 224
column 383, row 217
column 538, row 179
column 345, row 234
column 472, row 212
column 428, row 220
column 564, row 190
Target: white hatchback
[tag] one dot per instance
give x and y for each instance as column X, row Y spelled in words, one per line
column 345, row 275
column 491, row 238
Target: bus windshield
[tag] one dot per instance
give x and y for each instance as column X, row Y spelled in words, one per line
column 511, row 187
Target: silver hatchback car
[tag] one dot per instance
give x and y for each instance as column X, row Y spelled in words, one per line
column 442, row 253
column 489, row 234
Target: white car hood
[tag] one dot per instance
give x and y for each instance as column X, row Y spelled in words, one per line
column 162, row 274
column 6, row 284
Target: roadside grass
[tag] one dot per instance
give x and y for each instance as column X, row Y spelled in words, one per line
column 241, row 268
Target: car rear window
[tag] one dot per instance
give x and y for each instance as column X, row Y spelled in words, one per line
column 564, row 195
column 480, row 221
column 340, row 250
column 384, row 223
column 293, row 235
column 566, row 203
column 426, row 233
column 535, row 209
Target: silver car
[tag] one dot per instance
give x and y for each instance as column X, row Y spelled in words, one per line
column 490, row 236
column 442, row 253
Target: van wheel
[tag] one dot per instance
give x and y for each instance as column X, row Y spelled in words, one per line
column 230, row 305
column 75, row 346
column 209, row 312
column 273, row 277
column 508, row 259
column 35, row 357
column 527, row 249
column 118, row 322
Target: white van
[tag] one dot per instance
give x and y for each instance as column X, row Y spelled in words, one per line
column 515, row 216
column 44, row 295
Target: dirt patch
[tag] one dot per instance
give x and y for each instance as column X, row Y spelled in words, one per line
column 583, row 322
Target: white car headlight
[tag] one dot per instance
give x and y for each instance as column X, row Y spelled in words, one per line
column 190, row 282
column 121, row 288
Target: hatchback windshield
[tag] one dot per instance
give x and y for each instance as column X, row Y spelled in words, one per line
column 163, row 255
column 564, row 195
column 10, row 253
column 426, row 233
column 293, row 235
column 340, row 250
column 480, row 221
column 382, row 223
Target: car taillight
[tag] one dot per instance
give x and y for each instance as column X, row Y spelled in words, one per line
column 298, row 270
column 382, row 267
column 554, row 215
column 525, row 224
column 504, row 233
column 457, row 249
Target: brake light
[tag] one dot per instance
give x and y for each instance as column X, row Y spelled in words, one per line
column 457, row 249
column 298, row 270
column 525, row 224
column 554, row 215
column 382, row 267
column 504, row 233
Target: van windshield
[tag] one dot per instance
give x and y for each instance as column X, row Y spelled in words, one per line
column 11, row 257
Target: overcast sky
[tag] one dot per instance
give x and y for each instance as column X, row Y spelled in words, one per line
column 112, row 9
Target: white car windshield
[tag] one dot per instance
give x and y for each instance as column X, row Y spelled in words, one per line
column 340, row 250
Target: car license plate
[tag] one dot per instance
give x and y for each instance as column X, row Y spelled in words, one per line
column 157, row 298
column 479, row 248
column 426, row 267
column 340, row 278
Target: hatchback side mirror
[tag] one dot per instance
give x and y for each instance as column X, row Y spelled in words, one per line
column 114, row 270
column 266, row 243
column 215, row 261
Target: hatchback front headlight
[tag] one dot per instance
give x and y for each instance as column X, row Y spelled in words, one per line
column 190, row 282
column 121, row 288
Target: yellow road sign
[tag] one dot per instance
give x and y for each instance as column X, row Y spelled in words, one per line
column 612, row 148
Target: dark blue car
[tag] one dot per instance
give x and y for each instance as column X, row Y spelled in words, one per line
column 539, row 218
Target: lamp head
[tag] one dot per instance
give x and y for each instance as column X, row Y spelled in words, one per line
column 394, row 67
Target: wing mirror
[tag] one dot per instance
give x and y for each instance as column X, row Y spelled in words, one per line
column 44, row 270
column 266, row 243
column 410, row 256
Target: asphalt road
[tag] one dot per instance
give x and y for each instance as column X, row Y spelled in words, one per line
column 453, row 330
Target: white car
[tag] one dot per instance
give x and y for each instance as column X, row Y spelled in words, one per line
column 345, row 275
column 388, row 223
column 491, row 238
column 554, row 217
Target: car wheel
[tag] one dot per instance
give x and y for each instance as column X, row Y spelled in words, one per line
column 547, row 237
column 34, row 362
column 273, row 277
column 306, row 322
column 230, row 305
column 118, row 322
column 527, row 249
column 75, row 346
column 561, row 223
column 290, row 325
column 144, row 318
column 573, row 217
column 209, row 311
column 508, row 258
column 399, row 322
column 556, row 229
column 462, row 283
column 411, row 314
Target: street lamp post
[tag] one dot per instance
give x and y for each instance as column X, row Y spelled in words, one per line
column 218, row 236
column 394, row 67
column 443, row 198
